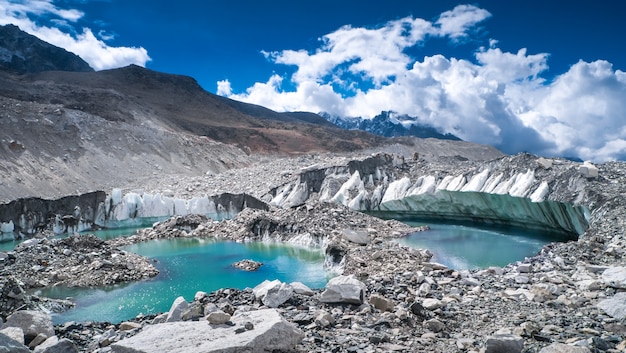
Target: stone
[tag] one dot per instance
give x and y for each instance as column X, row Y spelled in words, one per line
column 176, row 310
column 504, row 344
column 356, row 236
column 615, row 277
column 248, row 265
column 588, row 170
column 524, row 268
column 218, row 317
column 39, row 339
column 9, row 345
column 434, row 325
column 564, row 348
column 431, row 304
column 277, row 295
column 56, row 345
column 271, row 333
column 381, row 303
column 344, row 289
column 129, row 325
column 544, row 163
column 301, row 288
column 193, row 312
column 615, row 306
column 324, row 319
column 14, row 333
column 32, row 323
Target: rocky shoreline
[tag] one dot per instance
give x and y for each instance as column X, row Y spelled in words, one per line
column 566, row 299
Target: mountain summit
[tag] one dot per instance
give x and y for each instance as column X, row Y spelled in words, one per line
column 23, row 53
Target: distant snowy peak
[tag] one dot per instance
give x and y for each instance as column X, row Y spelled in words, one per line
column 390, row 124
column 23, row 53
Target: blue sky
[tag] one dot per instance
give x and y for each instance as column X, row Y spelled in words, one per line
column 540, row 76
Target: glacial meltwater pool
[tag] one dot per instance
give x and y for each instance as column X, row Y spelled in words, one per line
column 463, row 247
column 188, row 266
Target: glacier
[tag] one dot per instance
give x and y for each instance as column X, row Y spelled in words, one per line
column 517, row 193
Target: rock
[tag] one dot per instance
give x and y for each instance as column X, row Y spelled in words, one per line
column 381, row 303
column 564, row 348
column 324, row 319
column 129, row 325
column 544, row 163
column 524, row 268
column 588, row 170
column 193, row 312
column 615, row 306
column 356, row 236
column 32, row 323
column 39, row 339
column 176, row 310
column 271, row 333
column 344, row 289
column 418, row 310
column 504, row 344
column 277, row 295
column 301, row 288
column 248, row 265
column 434, row 325
column 9, row 345
column 14, row 333
column 56, row 345
column 431, row 304
column 218, row 317
column 615, row 277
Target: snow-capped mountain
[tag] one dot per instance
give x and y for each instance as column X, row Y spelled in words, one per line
column 390, row 124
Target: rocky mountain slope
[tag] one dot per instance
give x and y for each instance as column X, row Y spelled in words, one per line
column 23, row 53
column 67, row 132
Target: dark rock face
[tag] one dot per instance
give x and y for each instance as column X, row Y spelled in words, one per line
column 30, row 215
column 23, row 53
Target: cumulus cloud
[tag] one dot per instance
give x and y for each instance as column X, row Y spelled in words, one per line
column 81, row 42
column 499, row 98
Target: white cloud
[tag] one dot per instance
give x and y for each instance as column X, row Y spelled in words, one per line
column 84, row 44
column 500, row 98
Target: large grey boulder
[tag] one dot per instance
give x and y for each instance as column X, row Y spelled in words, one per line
column 56, row 345
column 615, row 306
column 356, row 236
column 32, row 323
column 273, row 293
column 9, row 345
column 266, row 331
column 176, row 310
column 615, row 277
column 344, row 289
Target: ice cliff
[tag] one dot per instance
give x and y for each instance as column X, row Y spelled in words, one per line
column 520, row 191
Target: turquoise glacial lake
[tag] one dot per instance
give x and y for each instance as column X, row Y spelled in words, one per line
column 187, row 266
column 462, row 247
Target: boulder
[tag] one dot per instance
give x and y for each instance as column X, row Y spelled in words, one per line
column 356, row 236
column 615, row 306
column 344, row 289
column 269, row 332
column 588, row 170
column 32, row 323
column 381, row 303
column 615, row 277
column 544, row 163
column 56, row 345
column 504, row 344
column 129, row 325
column 176, row 310
column 564, row 348
column 218, row 317
column 273, row 293
column 15, row 333
column 432, row 304
column 9, row 345
column 301, row 288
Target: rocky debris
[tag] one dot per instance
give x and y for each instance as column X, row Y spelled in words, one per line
column 248, row 265
column 504, row 344
column 75, row 261
column 564, row 348
column 261, row 330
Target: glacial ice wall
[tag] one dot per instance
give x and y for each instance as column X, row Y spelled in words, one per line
column 80, row 213
column 509, row 196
